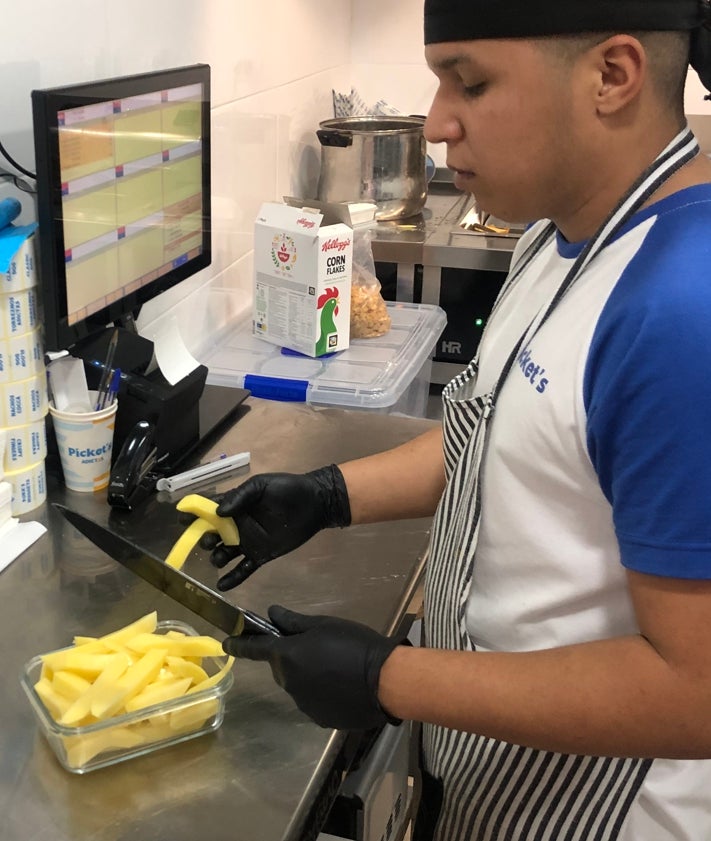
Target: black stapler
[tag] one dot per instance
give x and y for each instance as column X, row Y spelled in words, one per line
column 132, row 477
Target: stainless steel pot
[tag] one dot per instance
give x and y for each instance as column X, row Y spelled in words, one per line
column 376, row 159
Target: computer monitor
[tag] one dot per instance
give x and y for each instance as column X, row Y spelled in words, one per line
column 123, row 194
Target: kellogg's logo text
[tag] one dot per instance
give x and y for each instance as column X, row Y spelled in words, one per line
column 335, row 244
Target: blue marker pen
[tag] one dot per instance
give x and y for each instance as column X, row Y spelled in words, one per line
column 114, row 386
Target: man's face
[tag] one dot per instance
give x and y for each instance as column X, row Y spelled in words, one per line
column 506, row 111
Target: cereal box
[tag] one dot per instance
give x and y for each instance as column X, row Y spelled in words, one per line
column 302, row 279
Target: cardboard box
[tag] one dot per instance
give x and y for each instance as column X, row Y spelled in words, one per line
column 303, row 261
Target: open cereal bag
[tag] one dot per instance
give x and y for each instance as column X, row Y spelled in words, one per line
column 369, row 315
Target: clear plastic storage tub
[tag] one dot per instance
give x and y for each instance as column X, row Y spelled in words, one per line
column 389, row 374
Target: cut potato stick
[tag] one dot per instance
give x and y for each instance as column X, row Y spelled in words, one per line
column 216, row 678
column 81, row 708
column 79, row 640
column 187, row 541
column 55, row 702
column 145, row 625
column 157, row 693
column 206, row 510
column 111, row 678
column 135, row 680
column 78, row 661
column 180, row 667
column 192, row 717
column 70, row 684
column 81, row 749
column 200, row 646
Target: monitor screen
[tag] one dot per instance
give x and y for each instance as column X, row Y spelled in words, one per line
column 123, row 194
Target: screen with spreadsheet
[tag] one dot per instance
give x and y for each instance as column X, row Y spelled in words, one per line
column 123, row 173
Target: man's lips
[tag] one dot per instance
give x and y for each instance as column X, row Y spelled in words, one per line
column 463, row 179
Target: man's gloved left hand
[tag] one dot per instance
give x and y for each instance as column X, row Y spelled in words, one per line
column 329, row 666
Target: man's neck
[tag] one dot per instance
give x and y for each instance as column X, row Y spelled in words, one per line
column 592, row 212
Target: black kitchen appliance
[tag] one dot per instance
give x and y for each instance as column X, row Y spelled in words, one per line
column 433, row 259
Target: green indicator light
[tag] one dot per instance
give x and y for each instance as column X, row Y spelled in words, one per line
column 478, row 322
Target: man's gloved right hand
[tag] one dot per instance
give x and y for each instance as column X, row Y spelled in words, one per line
column 278, row 512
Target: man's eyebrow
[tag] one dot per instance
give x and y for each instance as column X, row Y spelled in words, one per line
column 450, row 62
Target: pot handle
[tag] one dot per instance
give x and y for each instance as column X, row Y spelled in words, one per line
column 333, row 137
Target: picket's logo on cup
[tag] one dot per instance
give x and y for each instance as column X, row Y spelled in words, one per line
column 89, row 455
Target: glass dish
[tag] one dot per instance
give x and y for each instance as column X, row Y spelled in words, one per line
column 85, row 748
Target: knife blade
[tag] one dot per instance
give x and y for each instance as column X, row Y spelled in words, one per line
column 173, row 582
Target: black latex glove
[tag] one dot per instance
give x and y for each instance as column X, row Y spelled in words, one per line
column 329, row 666
column 276, row 513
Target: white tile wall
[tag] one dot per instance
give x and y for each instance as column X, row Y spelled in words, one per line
column 274, row 64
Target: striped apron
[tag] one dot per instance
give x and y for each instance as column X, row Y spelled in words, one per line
column 484, row 789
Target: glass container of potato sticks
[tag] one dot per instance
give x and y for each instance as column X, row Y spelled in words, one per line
column 89, row 746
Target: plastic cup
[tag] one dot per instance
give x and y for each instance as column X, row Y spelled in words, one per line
column 84, row 441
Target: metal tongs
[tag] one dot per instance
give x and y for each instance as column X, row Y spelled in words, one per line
column 480, row 221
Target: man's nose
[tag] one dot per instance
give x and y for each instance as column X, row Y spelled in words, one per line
column 441, row 125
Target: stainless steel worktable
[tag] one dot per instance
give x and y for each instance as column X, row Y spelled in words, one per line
column 262, row 775
column 434, row 237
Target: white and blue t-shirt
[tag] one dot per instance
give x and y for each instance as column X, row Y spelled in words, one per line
column 599, row 458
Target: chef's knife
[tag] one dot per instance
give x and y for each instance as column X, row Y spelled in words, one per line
column 187, row 591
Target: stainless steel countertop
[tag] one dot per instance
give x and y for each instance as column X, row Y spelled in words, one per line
column 433, row 238
column 260, row 774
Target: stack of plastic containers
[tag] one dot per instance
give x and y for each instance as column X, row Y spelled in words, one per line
column 23, row 384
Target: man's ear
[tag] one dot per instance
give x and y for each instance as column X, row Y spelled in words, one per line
column 621, row 68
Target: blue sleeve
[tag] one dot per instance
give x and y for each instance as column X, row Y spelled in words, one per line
column 647, row 393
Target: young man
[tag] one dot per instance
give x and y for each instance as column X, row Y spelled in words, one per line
column 565, row 688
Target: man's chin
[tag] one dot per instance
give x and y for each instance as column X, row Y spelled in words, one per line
column 464, row 181
column 510, row 215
